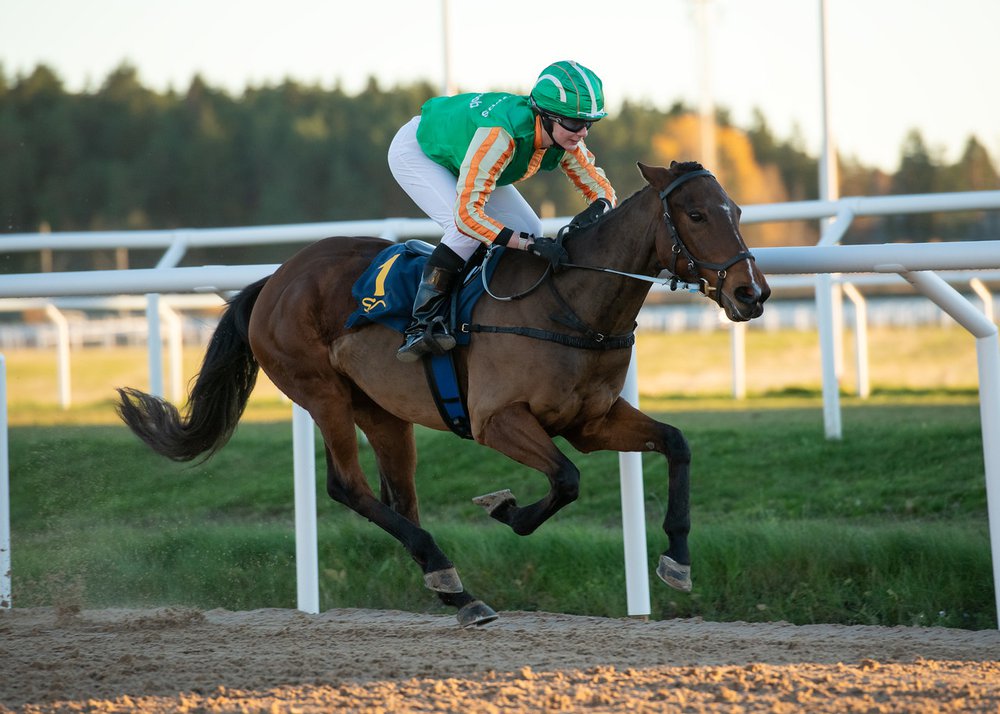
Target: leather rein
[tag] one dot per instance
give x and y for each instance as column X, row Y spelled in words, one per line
column 592, row 339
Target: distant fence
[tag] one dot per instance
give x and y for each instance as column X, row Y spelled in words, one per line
column 796, row 314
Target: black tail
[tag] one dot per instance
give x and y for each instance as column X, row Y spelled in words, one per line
column 217, row 399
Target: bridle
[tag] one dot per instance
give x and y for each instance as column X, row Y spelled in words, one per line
column 679, row 249
column 591, row 338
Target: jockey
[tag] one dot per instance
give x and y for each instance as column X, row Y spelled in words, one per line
column 458, row 161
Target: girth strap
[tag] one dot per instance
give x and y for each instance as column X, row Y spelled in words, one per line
column 448, row 398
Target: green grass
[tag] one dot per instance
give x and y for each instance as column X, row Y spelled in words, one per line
column 886, row 526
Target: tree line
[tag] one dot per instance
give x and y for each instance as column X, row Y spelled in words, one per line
column 126, row 157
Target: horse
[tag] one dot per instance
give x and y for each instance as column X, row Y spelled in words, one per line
column 552, row 363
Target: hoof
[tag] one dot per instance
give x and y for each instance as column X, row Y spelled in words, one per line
column 674, row 574
column 443, row 581
column 493, row 501
column 476, row 613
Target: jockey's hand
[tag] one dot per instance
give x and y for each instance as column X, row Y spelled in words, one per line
column 590, row 214
column 551, row 250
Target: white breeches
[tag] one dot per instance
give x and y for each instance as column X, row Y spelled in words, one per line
column 435, row 191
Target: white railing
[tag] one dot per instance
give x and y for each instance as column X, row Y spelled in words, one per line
column 839, row 215
column 914, row 263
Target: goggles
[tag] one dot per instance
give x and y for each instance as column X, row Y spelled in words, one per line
column 571, row 125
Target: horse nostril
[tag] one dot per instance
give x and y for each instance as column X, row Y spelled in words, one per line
column 748, row 295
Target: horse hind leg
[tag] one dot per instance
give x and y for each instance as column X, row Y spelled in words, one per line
column 346, row 484
column 439, row 573
column 391, row 441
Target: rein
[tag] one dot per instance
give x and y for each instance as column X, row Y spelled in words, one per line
column 593, row 339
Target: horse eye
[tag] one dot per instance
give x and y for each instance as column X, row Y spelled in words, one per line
column 696, row 216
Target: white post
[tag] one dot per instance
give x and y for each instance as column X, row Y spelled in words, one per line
column 837, row 307
column 634, row 512
column 6, row 597
column 860, row 339
column 62, row 351
column 175, row 342
column 738, row 349
column 827, row 346
column 306, row 546
column 988, row 356
column 154, row 345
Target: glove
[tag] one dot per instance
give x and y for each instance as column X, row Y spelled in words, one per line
column 590, row 214
column 551, row 250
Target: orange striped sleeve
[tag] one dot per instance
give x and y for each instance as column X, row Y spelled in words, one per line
column 587, row 176
column 489, row 153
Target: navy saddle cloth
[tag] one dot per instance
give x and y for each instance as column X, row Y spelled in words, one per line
column 384, row 294
column 385, row 291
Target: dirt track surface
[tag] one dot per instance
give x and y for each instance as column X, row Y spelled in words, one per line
column 181, row 660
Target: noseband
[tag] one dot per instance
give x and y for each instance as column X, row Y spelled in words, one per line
column 679, row 249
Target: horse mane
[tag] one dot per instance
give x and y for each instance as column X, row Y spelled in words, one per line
column 686, row 166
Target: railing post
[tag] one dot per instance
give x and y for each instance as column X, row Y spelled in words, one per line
column 738, row 358
column 860, row 339
column 306, row 535
column 828, row 345
column 62, row 353
column 634, row 512
column 988, row 358
column 6, row 594
column 154, row 345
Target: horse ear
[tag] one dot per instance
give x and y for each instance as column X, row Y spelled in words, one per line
column 651, row 173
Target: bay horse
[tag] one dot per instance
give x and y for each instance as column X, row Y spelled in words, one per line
column 550, row 364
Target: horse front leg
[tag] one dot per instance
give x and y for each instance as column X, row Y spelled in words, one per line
column 516, row 433
column 625, row 428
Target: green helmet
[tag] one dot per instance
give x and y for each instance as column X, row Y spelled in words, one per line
column 570, row 90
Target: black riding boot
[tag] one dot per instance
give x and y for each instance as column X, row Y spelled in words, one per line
column 428, row 332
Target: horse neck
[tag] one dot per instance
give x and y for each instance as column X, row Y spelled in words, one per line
column 623, row 241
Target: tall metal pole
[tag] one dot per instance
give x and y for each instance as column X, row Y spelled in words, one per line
column 828, row 175
column 447, row 85
column 706, row 103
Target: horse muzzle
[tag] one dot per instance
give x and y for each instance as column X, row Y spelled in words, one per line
column 744, row 302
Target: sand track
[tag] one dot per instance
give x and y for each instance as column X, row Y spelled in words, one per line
column 184, row 660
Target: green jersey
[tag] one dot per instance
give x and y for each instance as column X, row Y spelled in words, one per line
column 494, row 139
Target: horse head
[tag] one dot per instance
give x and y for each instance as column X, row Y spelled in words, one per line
column 699, row 239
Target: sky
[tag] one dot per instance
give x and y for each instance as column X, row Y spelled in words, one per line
column 892, row 65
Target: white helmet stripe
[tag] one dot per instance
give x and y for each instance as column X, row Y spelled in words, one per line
column 594, row 109
column 552, row 78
